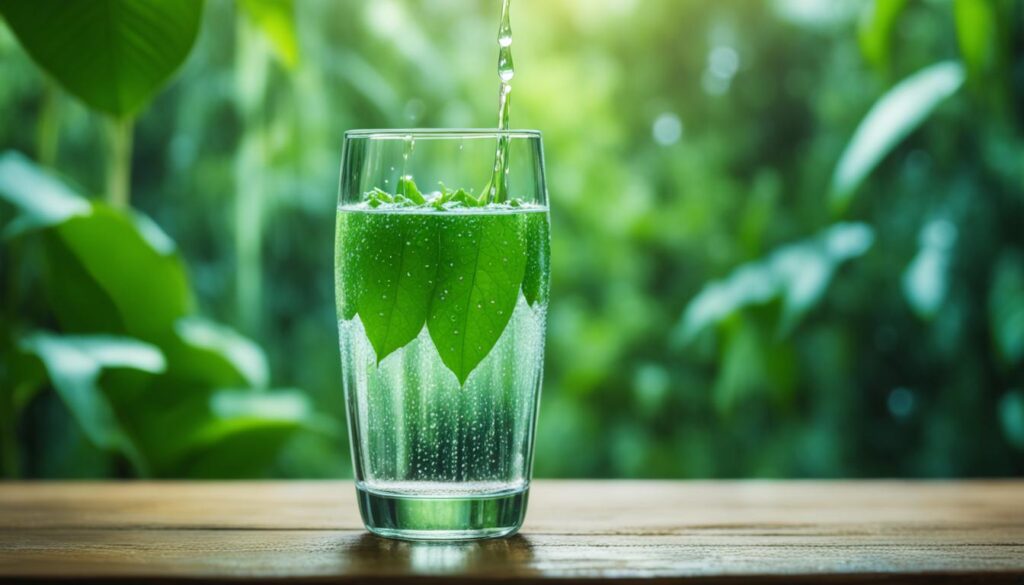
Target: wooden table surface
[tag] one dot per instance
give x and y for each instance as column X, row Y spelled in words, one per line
column 577, row 531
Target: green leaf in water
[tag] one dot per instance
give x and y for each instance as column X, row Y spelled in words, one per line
column 483, row 259
column 396, row 271
column 349, row 248
column 538, row 245
column 458, row 273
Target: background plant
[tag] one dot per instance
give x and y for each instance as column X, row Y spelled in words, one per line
column 787, row 235
column 98, row 306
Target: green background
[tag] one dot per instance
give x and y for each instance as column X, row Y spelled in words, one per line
column 728, row 298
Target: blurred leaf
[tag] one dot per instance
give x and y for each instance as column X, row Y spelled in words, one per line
column 1011, row 413
column 112, row 54
column 148, row 287
column 926, row 280
column 876, row 28
column 227, row 347
column 246, row 432
column 1006, row 307
column 893, row 117
column 798, row 273
column 752, row 365
column 74, row 363
column 41, row 199
column 25, row 377
column 108, row 271
column 154, row 235
column 276, row 20
column 979, row 34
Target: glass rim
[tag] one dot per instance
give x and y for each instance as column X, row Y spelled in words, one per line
column 401, row 133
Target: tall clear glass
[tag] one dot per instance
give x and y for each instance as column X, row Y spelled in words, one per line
column 442, row 289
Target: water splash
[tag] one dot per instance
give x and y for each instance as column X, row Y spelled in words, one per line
column 506, row 71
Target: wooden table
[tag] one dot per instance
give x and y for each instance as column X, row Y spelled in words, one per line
column 578, row 531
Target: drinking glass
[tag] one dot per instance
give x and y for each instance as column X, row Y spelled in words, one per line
column 442, row 304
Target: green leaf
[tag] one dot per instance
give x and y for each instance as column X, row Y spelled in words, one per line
column 276, row 20
column 148, row 287
column 980, row 34
column 74, row 364
column 407, row 187
column 926, row 279
column 483, row 260
column 538, row 252
column 402, row 269
column 41, row 199
column 461, row 196
column 258, row 424
column 396, row 269
column 112, row 54
column 797, row 273
column 350, row 245
column 227, row 349
column 890, row 120
column 177, row 424
column 77, row 300
column 876, row 27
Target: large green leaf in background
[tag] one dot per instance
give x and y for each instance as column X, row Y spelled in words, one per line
column 160, row 400
column 74, row 364
column 116, row 273
column 148, row 287
column 256, row 422
column 187, row 431
column 112, row 54
column 226, row 350
column 891, row 119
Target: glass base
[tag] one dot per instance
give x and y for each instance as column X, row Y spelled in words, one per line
column 438, row 518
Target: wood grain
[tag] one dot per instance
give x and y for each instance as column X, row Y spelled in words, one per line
column 292, row 532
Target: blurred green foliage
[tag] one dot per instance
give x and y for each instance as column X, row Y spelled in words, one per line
column 788, row 236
